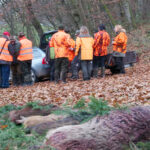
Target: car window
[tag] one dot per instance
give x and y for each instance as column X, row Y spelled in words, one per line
column 46, row 38
column 37, row 54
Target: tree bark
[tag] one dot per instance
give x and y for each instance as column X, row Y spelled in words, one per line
column 140, row 9
column 33, row 18
column 126, row 8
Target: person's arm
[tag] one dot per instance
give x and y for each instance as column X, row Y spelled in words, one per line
column 72, row 44
column 18, row 46
column 9, row 49
column 78, row 45
column 108, row 39
column 96, row 40
column 119, row 40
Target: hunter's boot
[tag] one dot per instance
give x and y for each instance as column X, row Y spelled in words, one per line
column 64, row 77
column 75, row 74
column 102, row 72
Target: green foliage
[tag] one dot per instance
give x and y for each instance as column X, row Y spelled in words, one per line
column 14, row 137
column 137, row 146
column 120, row 107
column 99, row 106
column 37, row 105
column 80, row 104
column 143, row 145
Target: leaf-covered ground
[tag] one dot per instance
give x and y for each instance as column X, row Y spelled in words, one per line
column 131, row 88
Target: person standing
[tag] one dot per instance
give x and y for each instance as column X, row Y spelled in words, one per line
column 76, row 64
column 85, row 42
column 14, row 50
column 119, row 48
column 61, row 42
column 50, row 58
column 5, row 60
column 25, row 59
column 101, row 42
column 71, row 52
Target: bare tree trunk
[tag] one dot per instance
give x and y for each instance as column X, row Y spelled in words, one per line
column 126, row 8
column 33, row 18
column 140, row 9
column 82, row 13
column 112, row 20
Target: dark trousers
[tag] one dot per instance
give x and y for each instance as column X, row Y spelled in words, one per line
column 4, row 75
column 52, row 69
column 16, row 73
column 75, row 67
column 87, row 67
column 25, row 67
column 119, row 65
column 61, row 68
column 98, row 61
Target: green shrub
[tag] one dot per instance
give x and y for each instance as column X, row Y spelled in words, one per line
column 80, row 104
column 37, row 105
column 99, row 106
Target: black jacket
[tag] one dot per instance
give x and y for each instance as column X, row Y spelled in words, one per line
column 14, row 50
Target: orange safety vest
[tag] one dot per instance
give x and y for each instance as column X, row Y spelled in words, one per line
column 86, row 45
column 26, row 52
column 120, row 43
column 4, row 53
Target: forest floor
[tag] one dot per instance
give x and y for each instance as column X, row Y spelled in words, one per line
column 133, row 88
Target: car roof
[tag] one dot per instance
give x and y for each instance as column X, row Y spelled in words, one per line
column 49, row 32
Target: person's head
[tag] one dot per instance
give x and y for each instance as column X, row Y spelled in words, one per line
column 12, row 39
column 21, row 34
column 119, row 28
column 102, row 27
column 61, row 27
column 77, row 33
column 6, row 33
column 84, row 30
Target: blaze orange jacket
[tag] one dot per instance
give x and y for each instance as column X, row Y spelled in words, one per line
column 101, row 42
column 26, row 52
column 120, row 43
column 60, row 41
column 71, row 52
column 4, row 53
column 86, row 45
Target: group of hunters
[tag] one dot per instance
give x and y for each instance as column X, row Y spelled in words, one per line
column 85, row 52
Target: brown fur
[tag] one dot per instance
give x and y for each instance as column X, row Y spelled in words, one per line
column 105, row 133
column 35, row 120
column 29, row 111
column 49, row 125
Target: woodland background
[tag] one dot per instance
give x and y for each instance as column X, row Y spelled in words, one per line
column 37, row 16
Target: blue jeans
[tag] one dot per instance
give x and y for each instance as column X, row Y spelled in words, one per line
column 4, row 75
column 87, row 67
